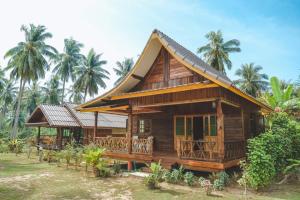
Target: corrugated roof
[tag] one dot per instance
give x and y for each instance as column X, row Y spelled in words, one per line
column 86, row 119
column 66, row 116
column 58, row 116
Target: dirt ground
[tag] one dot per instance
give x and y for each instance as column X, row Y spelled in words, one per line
column 23, row 178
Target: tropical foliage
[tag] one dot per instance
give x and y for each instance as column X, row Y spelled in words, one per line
column 91, row 74
column 216, row 52
column 123, row 68
column 28, row 61
column 270, row 151
column 67, row 61
column 280, row 98
column 251, row 81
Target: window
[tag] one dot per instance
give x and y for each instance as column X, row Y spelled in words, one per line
column 189, row 126
column 144, row 126
column 179, row 125
column 213, row 125
column 210, row 125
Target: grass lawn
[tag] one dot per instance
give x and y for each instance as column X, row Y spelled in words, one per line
column 22, row 178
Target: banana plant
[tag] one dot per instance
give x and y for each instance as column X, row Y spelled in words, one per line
column 281, row 98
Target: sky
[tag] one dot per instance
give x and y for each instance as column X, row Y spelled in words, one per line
column 269, row 30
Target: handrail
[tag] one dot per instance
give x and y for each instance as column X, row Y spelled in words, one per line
column 142, row 146
column 197, row 150
column 113, row 144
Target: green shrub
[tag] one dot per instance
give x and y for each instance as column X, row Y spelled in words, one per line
column 175, row 176
column 221, row 180
column 156, row 176
column 116, row 167
column 15, row 145
column 189, row 178
column 268, row 153
column 92, row 157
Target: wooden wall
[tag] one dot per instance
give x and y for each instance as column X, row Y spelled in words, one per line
column 233, row 123
column 161, row 130
column 166, row 71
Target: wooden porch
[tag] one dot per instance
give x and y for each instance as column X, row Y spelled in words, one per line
column 195, row 155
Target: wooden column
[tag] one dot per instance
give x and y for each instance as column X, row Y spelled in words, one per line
column 220, row 128
column 243, row 126
column 129, row 130
column 59, row 137
column 95, row 126
column 38, row 136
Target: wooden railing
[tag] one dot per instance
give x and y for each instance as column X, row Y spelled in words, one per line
column 234, row 150
column 197, row 150
column 142, row 146
column 113, row 144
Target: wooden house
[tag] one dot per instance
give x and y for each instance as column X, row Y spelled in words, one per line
column 71, row 124
column 180, row 111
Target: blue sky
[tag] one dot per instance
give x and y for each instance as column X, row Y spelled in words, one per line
column 269, row 31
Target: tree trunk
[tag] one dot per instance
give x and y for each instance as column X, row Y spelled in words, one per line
column 85, row 93
column 63, row 91
column 15, row 127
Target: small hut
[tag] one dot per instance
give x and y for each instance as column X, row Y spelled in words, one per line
column 73, row 125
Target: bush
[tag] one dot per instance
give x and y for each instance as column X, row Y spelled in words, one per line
column 221, row 180
column 268, row 153
column 15, row 145
column 92, row 157
column 189, row 178
column 155, row 177
column 175, row 176
column 116, row 168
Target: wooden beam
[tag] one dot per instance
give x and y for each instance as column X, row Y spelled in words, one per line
column 220, row 129
column 140, row 78
column 243, row 125
column 181, row 88
column 104, row 108
column 95, row 125
column 166, row 67
column 179, row 102
column 230, row 103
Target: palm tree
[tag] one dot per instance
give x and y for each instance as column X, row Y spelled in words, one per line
column 251, row 81
column 8, row 94
column 91, row 74
column 33, row 95
column 27, row 61
column 67, row 61
column 216, row 52
column 281, row 99
column 123, row 68
column 75, row 95
column 2, row 79
column 51, row 91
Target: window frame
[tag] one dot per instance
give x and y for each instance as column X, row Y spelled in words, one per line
column 145, row 123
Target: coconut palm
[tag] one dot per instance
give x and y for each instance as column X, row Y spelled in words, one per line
column 216, row 52
column 33, row 96
column 67, row 61
column 2, row 79
column 8, row 95
column 51, row 91
column 91, row 74
column 75, row 95
column 123, row 68
column 251, row 81
column 27, row 61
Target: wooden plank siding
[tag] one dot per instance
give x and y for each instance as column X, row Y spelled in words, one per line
column 167, row 71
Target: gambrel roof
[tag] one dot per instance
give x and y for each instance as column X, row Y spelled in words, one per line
column 156, row 41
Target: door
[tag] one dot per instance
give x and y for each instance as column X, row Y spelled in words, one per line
column 210, row 132
column 198, row 128
column 183, row 126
